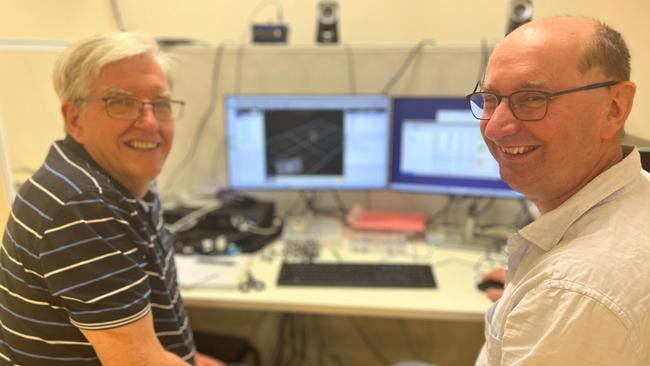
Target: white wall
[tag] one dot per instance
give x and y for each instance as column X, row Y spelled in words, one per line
column 30, row 108
column 6, row 188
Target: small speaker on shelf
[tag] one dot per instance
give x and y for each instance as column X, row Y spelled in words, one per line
column 519, row 12
column 327, row 22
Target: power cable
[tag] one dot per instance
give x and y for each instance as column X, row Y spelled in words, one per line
column 242, row 39
column 485, row 56
column 278, row 359
column 407, row 62
column 117, row 15
column 351, row 71
column 203, row 121
column 339, row 203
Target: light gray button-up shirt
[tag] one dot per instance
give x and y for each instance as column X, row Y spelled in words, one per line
column 579, row 279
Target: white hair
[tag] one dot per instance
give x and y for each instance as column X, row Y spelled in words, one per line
column 80, row 64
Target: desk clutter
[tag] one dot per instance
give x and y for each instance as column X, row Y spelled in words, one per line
column 227, row 242
column 211, row 271
column 323, row 230
column 236, row 226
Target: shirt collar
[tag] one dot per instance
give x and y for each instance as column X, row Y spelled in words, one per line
column 548, row 229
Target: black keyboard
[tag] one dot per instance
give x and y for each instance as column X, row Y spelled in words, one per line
column 356, row 275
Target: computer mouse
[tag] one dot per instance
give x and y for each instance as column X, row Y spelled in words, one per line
column 490, row 284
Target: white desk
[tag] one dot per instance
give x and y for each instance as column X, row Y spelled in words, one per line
column 455, row 298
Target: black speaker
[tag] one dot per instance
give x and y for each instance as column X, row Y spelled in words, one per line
column 328, row 21
column 519, row 12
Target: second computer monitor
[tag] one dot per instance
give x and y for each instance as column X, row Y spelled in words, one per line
column 307, row 142
column 438, row 148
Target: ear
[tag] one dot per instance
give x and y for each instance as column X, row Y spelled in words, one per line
column 622, row 96
column 71, row 117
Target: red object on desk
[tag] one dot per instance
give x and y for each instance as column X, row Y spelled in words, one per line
column 390, row 221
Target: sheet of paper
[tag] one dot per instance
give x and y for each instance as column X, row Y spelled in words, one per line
column 211, row 271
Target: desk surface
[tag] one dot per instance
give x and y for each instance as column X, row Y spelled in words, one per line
column 456, row 297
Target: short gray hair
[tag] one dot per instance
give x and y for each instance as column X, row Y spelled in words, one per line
column 79, row 65
column 607, row 50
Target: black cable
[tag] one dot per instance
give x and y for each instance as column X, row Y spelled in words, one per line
column 278, row 360
column 298, row 341
column 485, row 56
column 407, row 61
column 308, row 199
column 278, row 343
column 292, row 341
column 117, row 14
column 486, row 207
column 366, row 339
column 310, row 206
column 316, row 330
column 245, row 33
column 292, row 207
column 444, row 210
column 525, row 215
column 351, row 72
column 472, row 211
column 339, row 203
column 238, row 67
column 203, row 121
column 304, row 344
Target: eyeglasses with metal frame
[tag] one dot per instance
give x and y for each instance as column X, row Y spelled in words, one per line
column 129, row 108
column 526, row 105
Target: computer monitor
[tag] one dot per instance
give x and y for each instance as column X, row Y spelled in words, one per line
column 438, row 148
column 307, row 142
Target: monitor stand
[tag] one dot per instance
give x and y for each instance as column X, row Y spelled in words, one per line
column 314, row 224
column 466, row 234
column 321, row 229
column 458, row 237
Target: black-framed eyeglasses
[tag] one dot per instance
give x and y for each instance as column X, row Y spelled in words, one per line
column 526, row 105
column 129, row 108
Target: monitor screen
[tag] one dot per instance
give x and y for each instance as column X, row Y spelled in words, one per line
column 307, row 142
column 438, row 148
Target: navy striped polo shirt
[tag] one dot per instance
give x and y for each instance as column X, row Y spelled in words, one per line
column 81, row 252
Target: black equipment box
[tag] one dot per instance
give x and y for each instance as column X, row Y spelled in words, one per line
column 218, row 224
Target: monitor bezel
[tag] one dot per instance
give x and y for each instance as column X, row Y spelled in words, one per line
column 256, row 188
column 436, row 189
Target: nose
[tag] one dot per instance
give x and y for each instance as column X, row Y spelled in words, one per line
column 502, row 123
column 147, row 119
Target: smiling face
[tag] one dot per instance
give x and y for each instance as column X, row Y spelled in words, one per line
column 131, row 151
column 550, row 160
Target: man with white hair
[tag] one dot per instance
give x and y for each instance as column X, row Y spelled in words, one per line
column 87, row 270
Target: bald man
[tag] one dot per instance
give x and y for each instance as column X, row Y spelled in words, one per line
column 553, row 105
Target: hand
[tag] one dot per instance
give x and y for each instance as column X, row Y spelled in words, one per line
column 499, row 275
column 202, row 360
